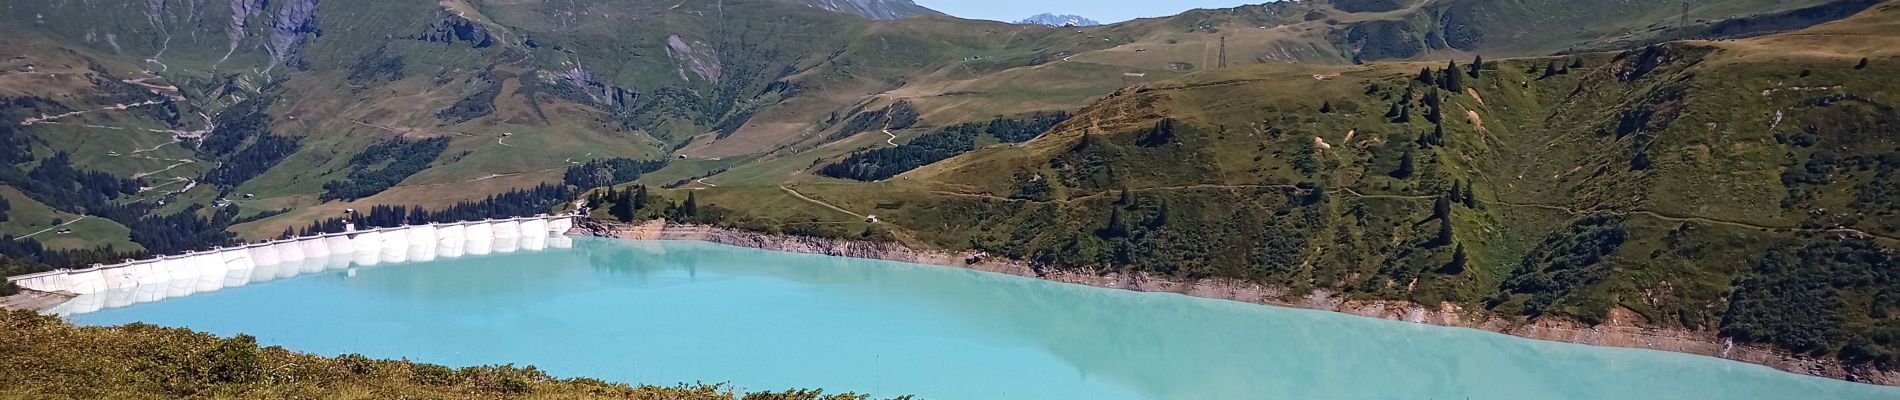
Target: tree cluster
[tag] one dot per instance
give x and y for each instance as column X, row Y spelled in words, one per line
column 1797, row 298
column 884, row 163
column 383, row 165
column 260, row 157
column 514, row 203
column 609, row 172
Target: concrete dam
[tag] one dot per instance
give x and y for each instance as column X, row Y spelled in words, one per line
column 142, row 281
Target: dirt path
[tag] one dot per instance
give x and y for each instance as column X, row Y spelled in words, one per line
column 801, row 196
column 46, row 118
column 179, row 163
column 75, row 220
column 1705, row 220
column 892, row 140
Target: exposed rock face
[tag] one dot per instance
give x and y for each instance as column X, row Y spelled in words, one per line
column 873, row 9
column 241, row 13
column 291, row 28
column 613, row 97
column 454, row 29
column 696, row 57
column 1623, row 329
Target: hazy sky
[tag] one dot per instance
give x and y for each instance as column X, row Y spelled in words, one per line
column 1106, row 11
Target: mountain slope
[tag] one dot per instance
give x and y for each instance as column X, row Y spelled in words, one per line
column 873, row 9
column 1701, row 186
column 292, row 112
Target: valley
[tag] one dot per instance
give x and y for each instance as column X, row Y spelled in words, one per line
column 1722, row 169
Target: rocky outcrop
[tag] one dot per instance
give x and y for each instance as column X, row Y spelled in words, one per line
column 696, row 57
column 453, row 29
column 1622, row 329
column 292, row 27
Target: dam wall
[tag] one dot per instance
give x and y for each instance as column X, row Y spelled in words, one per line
column 140, row 281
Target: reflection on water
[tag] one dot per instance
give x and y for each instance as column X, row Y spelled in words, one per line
column 175, row 278
column 669, row 312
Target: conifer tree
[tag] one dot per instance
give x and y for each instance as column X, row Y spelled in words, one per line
column 1397, row 108
column 1550, row 69
column 639, row 197
column 622, row 208
column 1458, row 260
column 1576, row 63
column 1454, row 80
column 1117, row 226
column 1862, row 64
column 1444, row 233
column 1477, row 65
column 1425, row 76
column 1441, row 207
column 1469, row 197
column 691, row 207
column 1405, row 166
column 1326, row 108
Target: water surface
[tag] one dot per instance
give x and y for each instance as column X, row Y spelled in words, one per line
column 671, row 312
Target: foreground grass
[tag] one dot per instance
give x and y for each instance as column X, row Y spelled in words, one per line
column 42, row 357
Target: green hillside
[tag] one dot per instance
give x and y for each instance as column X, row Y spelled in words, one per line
column 1742, row 187
column 48, row 358
column 1618, row 165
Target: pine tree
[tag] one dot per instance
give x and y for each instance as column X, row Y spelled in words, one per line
column 1326, row 108
column 1160, row 218
column 691, row 208
column 640, row 197
column 1397, row 108
column 1469, row 197
column 1441, row 207
column 1432, row 105
column 1477, row 65
column 1550, row 69
column 1438, row 134
column 1117, row 226
column 1862, row 64
column 1425, row 76
column 1640, row 162
column 1405, row 166
column 1125, row 199
column 1458, row 260
column 1454, row 80
column 1576, row 63
column 622, row 208
column 1444, row 233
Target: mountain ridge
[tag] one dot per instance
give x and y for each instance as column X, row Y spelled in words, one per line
column 1052, row 19
column 185, row 125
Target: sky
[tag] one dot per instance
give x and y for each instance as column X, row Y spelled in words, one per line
column 1107, row 11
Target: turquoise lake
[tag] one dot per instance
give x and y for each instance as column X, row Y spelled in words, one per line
column 671, row 312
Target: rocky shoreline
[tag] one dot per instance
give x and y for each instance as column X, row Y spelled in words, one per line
column 1622, row 329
